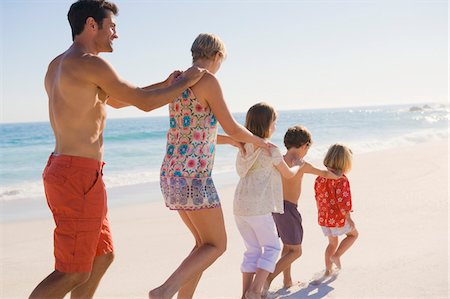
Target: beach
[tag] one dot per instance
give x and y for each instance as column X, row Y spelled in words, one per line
column 400, row 202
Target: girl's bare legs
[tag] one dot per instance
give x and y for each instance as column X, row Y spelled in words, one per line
column 329, row 252
column 254, row 292
column 247, row 280
column 213, row 244
column 343, row 247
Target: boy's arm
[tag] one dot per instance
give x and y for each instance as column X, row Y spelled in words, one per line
column 308, row 168
column 286, row 171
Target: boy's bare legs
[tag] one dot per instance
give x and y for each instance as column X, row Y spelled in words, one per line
column 255, row 290
column 247, row 280
column 87, row 289
column 213, row 244
column 288, row 255
column 343, row 247
column 58, row 284
column 329, row 252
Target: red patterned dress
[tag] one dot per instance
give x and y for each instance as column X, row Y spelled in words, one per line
column 185, row 179
column 334, row 201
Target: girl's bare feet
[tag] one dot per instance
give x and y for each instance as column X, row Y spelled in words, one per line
column 252, row 295
column 157, row 293
column 337, row 261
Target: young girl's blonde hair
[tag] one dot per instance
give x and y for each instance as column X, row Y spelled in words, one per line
column 339, row 157
column 206, row 46
column 259, row 118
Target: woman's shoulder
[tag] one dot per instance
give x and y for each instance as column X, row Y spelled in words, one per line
column 207, row 87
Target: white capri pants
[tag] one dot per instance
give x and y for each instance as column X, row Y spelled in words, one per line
column 261, row 240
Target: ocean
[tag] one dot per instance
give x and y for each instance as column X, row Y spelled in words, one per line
column 135, row 147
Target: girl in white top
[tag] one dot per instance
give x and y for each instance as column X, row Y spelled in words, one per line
column 258, row 195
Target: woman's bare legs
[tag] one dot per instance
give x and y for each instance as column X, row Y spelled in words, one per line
column 188, row 289
column 213, row 244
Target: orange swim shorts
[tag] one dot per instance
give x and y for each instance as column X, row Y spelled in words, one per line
column 76, row 196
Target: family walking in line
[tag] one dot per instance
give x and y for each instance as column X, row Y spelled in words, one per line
column 80, row 84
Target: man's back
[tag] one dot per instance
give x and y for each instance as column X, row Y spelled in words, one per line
column 76, row 106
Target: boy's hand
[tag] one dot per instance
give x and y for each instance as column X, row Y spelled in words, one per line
column 332, row 175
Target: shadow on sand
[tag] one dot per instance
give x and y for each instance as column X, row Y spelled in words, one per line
column 309, row 291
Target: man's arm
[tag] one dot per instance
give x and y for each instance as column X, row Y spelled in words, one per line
column 102, row 74
column 115, row 103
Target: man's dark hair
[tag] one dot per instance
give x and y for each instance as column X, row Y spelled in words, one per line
column 297, row 136
column 83, row 9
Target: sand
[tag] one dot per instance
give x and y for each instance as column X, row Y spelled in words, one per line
column 400, row 199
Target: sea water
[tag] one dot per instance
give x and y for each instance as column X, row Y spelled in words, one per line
column 135, row 147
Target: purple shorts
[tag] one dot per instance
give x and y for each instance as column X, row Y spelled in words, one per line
column 289, row 224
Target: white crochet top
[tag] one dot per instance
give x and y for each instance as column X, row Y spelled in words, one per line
column 260, row 190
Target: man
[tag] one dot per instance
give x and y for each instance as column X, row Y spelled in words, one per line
column 79, row 84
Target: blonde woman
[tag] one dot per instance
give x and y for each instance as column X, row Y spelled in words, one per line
column 186, row 181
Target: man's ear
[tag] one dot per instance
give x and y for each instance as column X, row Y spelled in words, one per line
column 90, row 24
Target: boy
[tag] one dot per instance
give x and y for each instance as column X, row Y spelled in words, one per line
column 289, row 225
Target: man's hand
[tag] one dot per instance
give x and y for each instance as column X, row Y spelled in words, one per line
column 173, row 77
column 193, row 74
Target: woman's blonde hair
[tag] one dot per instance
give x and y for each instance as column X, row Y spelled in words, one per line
column 339, row 157
column 206, row 46
column 259, row 118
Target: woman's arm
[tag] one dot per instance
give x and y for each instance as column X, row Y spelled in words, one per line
column 209, row 89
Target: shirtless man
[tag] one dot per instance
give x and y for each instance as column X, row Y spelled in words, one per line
column 79, row 84
column 289, row 225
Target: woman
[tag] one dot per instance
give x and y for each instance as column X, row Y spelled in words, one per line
column 186, row 170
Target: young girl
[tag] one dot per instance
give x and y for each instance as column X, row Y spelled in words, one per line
column 258, row 194
column 334, row 204
column 186, row 181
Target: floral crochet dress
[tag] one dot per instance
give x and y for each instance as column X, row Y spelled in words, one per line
column 185, row 180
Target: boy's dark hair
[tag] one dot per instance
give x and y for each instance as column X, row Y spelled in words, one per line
column 83, row 9
column 259, row 118
column 297, row 136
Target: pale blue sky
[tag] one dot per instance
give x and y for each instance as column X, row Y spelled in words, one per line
column 292, row 54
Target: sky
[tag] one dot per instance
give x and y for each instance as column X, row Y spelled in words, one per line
column 292, row 54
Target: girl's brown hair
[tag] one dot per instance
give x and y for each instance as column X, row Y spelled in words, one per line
column 259, row 118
